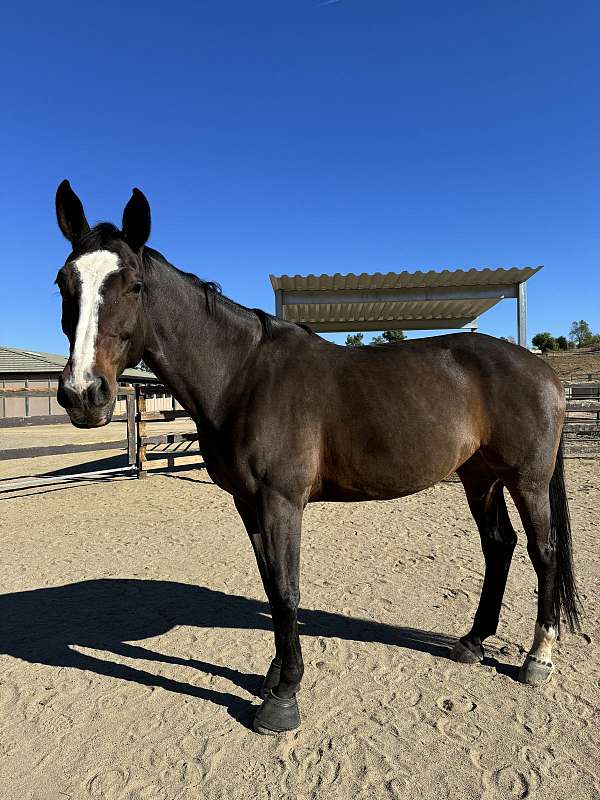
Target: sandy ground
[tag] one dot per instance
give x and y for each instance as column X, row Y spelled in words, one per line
column 134, row 633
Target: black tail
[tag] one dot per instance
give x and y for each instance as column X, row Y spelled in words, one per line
column 566, row 599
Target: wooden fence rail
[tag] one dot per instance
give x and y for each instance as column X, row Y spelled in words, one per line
column 128, row 392
column 142, row 439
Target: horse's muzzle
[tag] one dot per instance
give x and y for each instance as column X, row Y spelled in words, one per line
column 88, row 406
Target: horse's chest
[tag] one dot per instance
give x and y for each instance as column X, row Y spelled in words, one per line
column 225, row 468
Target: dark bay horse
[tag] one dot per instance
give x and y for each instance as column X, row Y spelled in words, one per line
column 285, row 418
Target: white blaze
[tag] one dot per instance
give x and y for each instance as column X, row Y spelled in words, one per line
column 92, row 268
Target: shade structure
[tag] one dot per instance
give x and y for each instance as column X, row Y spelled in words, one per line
column 405, row 300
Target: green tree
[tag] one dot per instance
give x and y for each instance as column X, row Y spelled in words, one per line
column 388, row 337
column 355, row 340
column 580, row 333
column 545, row 341
column 393, row 336
column 562, row 343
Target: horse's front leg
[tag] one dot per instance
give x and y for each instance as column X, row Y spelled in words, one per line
column 280, row 523
column 248, row 513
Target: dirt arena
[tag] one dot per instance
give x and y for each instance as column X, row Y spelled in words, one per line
column 134, row 634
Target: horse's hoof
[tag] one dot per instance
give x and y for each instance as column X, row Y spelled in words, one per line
column 271, row 679
column 464, row 655
column 277, row 715
column 535, row 671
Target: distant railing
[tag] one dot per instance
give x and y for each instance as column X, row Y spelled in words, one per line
column 583, row 391
column 586, row 376
column 582, row 423
column 576, row 351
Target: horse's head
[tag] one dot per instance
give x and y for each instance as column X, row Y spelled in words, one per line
column 101, row 284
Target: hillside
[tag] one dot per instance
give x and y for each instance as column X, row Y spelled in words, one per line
column 581, row 364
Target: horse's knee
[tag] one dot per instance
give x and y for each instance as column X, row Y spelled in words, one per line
column 286, row 596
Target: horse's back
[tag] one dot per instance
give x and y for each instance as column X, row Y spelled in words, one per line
column 398, row 418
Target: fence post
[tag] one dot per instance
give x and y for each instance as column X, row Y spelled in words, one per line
column 171, row 459
column 131, row 428
column 140, row 462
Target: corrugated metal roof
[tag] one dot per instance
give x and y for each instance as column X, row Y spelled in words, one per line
column 404, row 280
column 14, row 359
column 465, row 310
column 417, row 300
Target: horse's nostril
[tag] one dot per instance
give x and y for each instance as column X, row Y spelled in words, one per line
column 98, row 391
column 67, row 397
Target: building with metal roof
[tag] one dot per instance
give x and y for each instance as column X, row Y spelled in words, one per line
column 401, row 300
column 38, row 371
column 14, row 360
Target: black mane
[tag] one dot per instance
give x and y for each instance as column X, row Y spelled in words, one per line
column 213, row 295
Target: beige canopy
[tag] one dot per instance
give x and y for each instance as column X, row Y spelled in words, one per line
column 404, row 300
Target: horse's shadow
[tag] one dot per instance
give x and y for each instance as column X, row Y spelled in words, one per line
column 43, row 625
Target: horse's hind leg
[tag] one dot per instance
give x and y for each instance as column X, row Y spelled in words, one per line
column 534, row 508
column 538, row 490
column 486, row 500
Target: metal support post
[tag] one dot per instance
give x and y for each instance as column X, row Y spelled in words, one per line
column 522, row 314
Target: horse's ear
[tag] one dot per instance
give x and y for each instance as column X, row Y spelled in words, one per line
column 136, row 220
column 69, row 213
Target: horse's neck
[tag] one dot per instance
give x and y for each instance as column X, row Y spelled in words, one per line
column 198, row 354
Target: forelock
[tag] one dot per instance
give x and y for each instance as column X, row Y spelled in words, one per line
column 100, row 237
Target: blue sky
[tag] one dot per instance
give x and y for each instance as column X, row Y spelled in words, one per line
column 298, row 136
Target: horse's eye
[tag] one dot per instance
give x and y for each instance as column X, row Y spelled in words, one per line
column 136, row 288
